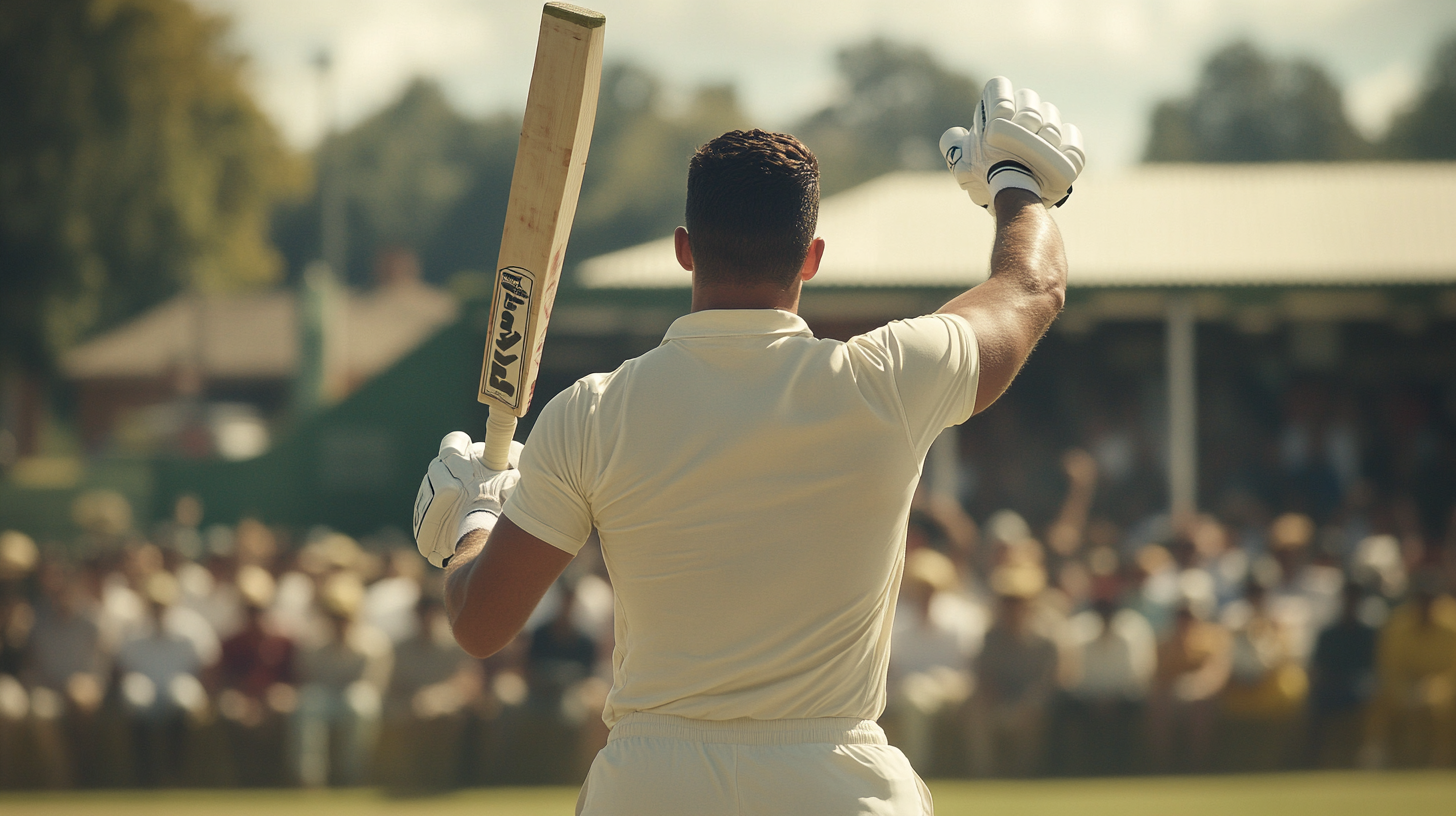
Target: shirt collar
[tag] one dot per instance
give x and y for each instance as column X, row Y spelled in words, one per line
column 737, row 322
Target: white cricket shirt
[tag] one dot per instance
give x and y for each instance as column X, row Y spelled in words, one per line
column 751, row 486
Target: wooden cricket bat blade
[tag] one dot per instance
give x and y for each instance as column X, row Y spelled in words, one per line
column 550, row 159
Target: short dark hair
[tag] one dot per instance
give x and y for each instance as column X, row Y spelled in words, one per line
column 753, row 203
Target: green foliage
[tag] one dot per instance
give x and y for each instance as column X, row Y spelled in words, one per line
column 1250, row 108
column 406, row 171
column 1428, row 129
column 897, row 102
column 419, row 174
column 132, row 164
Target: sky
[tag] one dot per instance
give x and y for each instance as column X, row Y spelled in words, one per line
column 1105, row 63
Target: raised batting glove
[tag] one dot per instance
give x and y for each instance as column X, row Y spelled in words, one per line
column 1015, row 140
column 460, row 494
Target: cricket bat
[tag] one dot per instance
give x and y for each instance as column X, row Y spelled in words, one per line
column 555, row 133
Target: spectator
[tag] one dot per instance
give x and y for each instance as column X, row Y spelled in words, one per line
column 342, row 677
column 1016, row 674
column 424, row 710
column 257, row 679
column 1266, row 688
column 1412, row 723
column 160, row 683
column 66, row 641
column 212, row 592
column 1192, row 668
column 1305, row 599
column 64, row 660
column 929, row 675
column 1342, row 681
column 559, row 660
column 390, row 604
column 1112, row 655
column 18, row 555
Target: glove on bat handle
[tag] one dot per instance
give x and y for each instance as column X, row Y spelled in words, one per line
column 500, row 429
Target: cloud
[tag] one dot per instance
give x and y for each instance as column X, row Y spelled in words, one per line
column 376, row 46
column 1105, row 62
column 1372, row 100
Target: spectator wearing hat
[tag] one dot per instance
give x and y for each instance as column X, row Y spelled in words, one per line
column 929, row 667
column 432, row 684
column 1192, row 669
column 18, row 557
column 1414, row 717
column 1016, row 675
column 1267, row 686
column 342, row 677
column 257, row 678
column 160, row 673
column 1305, row 598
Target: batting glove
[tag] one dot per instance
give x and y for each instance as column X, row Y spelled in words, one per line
column 1015, row 140
column 460, row 494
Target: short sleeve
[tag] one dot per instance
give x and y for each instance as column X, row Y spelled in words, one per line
column 549, row 501
column 936, row 367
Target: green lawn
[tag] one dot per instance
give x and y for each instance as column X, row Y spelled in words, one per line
column 1319, row 794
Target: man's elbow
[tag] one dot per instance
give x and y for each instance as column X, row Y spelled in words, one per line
column 476, row 637
column 1052, row 284
column 1055, row 296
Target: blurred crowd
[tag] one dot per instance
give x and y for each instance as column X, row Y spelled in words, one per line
column 233, row 655
column 1304, row 620
column 1046, row 626
column 1224, row 647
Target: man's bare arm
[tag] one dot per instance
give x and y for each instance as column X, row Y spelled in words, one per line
column 1024, row 293
column 492, row 586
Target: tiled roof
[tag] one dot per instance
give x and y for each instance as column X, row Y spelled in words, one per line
column 1154, row 225
column 255, row 336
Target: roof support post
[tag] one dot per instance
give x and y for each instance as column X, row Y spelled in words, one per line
column 1182, row 407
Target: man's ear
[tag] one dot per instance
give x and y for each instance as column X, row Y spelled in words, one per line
column 811, row 260
column 683, row 247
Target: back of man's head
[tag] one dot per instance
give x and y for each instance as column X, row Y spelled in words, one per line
column 753, row 202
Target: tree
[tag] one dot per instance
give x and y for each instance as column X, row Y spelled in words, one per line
column 898, row 101
column 133, row 163
column 1428, row 129
column 420, row 174
column 406, row 171
column 1249, row 108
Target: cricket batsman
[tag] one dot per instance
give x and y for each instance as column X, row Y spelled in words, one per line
column 751, row 485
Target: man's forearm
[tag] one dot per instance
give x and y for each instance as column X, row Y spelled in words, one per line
column 499, row 579
column 1028, row 251
column 1027, row 287
column 457, row 572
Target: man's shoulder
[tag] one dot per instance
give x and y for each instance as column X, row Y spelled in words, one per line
column 584, row 392
column 936, row 323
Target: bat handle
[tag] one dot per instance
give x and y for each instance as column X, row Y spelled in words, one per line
column 500, row 429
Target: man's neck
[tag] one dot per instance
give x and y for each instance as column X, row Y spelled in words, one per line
column 746, row 297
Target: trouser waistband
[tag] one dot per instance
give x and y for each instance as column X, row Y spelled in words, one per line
column 745, row 731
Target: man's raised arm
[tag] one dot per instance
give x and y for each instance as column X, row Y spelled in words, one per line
column 1027, row 287
column 1017, row 160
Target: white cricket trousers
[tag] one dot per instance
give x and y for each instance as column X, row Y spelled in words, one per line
column 661, row 765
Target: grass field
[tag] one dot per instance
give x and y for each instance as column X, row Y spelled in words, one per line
column 1316, row 794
